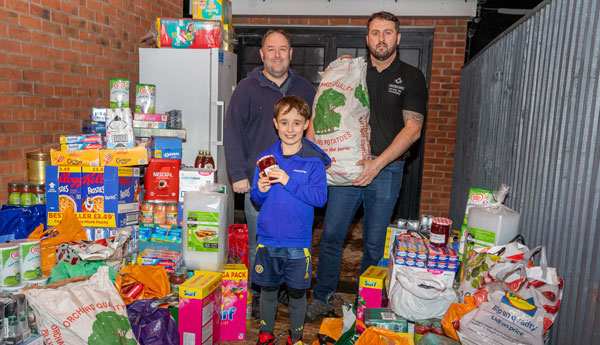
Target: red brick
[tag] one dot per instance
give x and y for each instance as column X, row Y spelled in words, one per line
column 55, row 4
column 39, row 11
column 63, row 67
column 69, row 8
column 241, row 20
column 10, row 45
column 53, row 102
column 52, row 28
column 9, row 16
column 44, row 114
column 72, row 126
column 33, row 101
column 405, row 21
column 258, row 20
column 299, row 20
column 339, row 21
column 11, row 127
column 458, row 29
column 424, row 22
column 63, row 91
column 24, row 88
column 277, row 20
column 19, row 33
column 319, row 21
column 41, row 64
column 53, row 78
column 19, row 60
column 17, row 6
column 71, row 103
column 5, row 167
column 11, row 101
column 6, row 114
column 446, row 22
column 359, row 21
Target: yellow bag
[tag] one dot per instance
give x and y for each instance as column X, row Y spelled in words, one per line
column 454, row 313
column 69, row 229
column 153, row 279
column 379, row 336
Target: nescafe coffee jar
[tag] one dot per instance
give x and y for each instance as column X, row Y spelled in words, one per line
column 440, row 231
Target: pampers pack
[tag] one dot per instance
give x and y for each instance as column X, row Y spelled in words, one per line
column 200, row 309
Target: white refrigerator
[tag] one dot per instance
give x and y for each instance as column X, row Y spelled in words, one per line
column 199, row 82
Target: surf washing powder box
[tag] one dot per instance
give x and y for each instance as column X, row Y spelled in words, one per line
column 233, row 308
column 200, row 309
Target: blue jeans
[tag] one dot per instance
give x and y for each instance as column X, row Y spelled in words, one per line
column 251, row 211
column 378, row 199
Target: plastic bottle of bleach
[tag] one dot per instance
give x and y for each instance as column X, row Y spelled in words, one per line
column 205, row 240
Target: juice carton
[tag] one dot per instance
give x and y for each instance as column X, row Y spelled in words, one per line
column 199, row 309
column 371, row 292
column 234, row 302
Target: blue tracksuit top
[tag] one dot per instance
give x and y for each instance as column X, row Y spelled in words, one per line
column 286, row 216
column 249, row 129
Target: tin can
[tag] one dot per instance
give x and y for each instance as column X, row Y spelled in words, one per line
column 36, row 167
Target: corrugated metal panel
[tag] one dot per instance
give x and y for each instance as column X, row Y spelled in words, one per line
column 530, row 117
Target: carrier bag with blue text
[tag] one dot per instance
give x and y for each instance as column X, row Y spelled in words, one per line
column 341, row 118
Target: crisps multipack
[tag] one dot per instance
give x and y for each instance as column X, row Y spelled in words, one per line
column 100, row 196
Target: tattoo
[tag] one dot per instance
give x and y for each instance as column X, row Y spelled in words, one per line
column 412, row 116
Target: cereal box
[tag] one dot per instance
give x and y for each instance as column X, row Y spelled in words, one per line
column 133, row 156
column 75, row 158
column 234, row 291
column 101, row 196
column 371, row 292
column 199, row 309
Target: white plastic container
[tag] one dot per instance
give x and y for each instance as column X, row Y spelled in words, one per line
column 492, row 226
column 205, row 242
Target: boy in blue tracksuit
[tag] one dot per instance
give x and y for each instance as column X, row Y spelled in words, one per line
column 288, row 196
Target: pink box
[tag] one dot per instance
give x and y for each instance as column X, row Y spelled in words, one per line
column 151, row 117
column 234, row 302
column 200, row 309
column 371, row 290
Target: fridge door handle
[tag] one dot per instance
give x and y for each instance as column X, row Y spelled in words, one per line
column 220, row 119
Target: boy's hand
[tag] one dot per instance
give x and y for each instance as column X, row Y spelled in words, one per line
column 264, row 184
column 279, row 176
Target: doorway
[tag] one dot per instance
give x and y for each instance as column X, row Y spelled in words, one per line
column 315, row 47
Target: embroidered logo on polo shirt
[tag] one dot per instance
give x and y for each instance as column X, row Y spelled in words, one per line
column 300, row 171
column 397, row 88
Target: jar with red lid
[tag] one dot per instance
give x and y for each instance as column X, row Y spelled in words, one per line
column 440, row 231
column 14, row 194
column 39, row 194
column 436, row 326
column 422, row 327
column 177, row 278
column 266, row 164
column 26, row 195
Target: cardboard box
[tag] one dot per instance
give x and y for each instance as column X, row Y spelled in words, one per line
column 169, row 259
column 234, row 293
column 99, row 114
column 392, row 232
column 151, row 117
column 75, row 158
column 385, row 318
column 165, row 147
column 200, row 309
column 80, row 146
column 133, row 156
column 101, row 196
column 149, row 124
column 159, row 132
column 371, row 289
column 81, row 139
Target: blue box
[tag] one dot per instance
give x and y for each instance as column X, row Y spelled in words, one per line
column 166, row 148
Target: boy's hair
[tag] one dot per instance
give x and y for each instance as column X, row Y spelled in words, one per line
column 383, row 15
column 287, row 103
column 272, row 31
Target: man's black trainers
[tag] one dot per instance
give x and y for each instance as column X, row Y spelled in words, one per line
column 316, row 310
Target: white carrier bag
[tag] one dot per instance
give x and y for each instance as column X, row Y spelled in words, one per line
column 341, row 118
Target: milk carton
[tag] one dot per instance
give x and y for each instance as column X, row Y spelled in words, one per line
column 200, row 309
column 234, row 302
column 371, row 292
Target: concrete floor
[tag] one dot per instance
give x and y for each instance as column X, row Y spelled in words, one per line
column 351, row 258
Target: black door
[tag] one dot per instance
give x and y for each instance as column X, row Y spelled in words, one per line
column 315, row 48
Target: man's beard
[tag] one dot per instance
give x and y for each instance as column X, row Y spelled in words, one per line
column 382, row 55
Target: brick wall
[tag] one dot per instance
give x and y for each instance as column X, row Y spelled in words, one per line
column 449, row 42
column 56, row 59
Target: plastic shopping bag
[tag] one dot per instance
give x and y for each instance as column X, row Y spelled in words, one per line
column 142, row 282
column 341, row 118
column 418, row 294
column 18, row 222
column 80, row 311
column 152, row 325
column 69, row 229
column 329, row 332
column 380, row 336
column 454, row 314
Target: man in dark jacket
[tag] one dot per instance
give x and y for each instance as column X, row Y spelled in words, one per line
column 249, row 128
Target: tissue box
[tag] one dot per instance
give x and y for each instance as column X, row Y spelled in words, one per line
column 200, row 309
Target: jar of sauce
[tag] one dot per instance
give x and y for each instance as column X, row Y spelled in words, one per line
column 26, row 195
column 14, row 194
column 160, row 214
column 147, row 212
column 39, row 194
column 172, row 210
column 440, row 231
column 177, row 278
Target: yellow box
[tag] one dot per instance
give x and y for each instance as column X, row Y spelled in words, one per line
column 201, row 285
column 130, row 156
column 373, row 277
column 212, row 10
column 235, row 272
column 75, row 158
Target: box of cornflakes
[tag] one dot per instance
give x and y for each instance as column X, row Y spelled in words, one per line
column 100, row 196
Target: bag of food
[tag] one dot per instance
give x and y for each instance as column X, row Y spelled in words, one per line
column 152, row 325
column 341, row 118
column 136, row 282
column 419, row 295
column 80, row 311
column 69, row 229
column 380, row 336
column 454, row 314
column 238, row 244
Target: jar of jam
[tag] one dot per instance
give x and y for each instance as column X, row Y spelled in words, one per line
column 172, row 210
column 266, row 164
column 436, row 326
column 177, row 278
column 14, row 194
column 39, row 194
column 147, row 212
column 26, row 195
column 440, row 231
column 160, row 214
column 422, row 327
